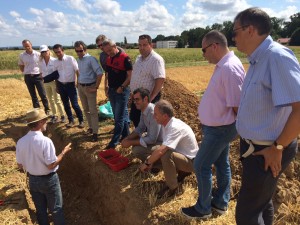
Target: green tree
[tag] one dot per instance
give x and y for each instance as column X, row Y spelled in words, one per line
column 290, row 27
column 277, row 25
column 295, row 38
column 125, row 40
column 227, row 31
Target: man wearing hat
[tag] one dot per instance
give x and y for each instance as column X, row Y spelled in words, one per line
column 35, row 153
column 29, row 65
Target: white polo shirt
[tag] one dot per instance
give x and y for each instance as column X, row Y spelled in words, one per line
column 30, row 62
column 66, row 68
column 180, row 137
column 35, row 151
column 49, row 68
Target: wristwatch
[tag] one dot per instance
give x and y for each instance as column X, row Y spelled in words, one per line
column 278, row 146
column 122, row 87
column 147, row 163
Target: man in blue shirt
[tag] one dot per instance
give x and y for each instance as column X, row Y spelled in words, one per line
column 268, row 119
column 89, row 79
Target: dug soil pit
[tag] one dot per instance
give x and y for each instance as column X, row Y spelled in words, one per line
column 94, row 194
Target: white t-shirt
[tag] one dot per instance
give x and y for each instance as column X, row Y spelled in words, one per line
column 35, row 151
column 30, row 62
column 180, row 137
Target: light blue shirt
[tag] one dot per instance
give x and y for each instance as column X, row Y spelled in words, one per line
column 272, row 83
column 89, row 69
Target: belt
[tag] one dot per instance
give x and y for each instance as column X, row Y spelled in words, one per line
column 89, row 84
column 64, row 83
column 48, row 175
column 32, row 75
column 251, row 147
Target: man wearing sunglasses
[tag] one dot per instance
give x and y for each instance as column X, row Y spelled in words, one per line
column 217, row 113
column 89, row 79
column 269, row 115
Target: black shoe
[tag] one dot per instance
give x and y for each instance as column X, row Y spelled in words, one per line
column 95, row 137
column 181, row 175
column 89, row 131
column 192, row 213
column 109, row 147
column 166, row 192
column 154, row 171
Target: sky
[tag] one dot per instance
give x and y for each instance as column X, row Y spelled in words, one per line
column 66, row 21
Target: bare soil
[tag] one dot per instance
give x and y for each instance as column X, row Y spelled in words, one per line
column 94, row 194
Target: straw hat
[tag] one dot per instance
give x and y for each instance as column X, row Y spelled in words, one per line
column 35, row 115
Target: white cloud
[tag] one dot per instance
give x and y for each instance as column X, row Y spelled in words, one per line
column 79, row 5
column 14, row 14
column 284, row 14
column 6, row 29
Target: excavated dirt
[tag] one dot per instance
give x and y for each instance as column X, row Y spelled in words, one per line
column 93, row 194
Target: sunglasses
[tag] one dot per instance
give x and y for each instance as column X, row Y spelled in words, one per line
column 234, row 32
column 204, row 49
column 100, row 45
column 79, row 51
column 43, row 52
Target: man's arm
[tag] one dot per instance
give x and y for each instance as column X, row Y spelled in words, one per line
column 60, row 157
column 132, row 139
column 156, row 155
column 157, row 87
column 106, row 84
column 126, row 82
column 22, row 68
column 290, row 131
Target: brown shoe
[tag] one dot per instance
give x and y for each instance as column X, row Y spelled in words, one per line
column 181, row 175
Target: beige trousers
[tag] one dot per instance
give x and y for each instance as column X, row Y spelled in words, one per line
column 89, row 105
column 53, row 98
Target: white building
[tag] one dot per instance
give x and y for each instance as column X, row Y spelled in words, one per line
column 166, row 44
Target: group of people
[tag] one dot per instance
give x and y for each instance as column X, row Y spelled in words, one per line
column 262, row 106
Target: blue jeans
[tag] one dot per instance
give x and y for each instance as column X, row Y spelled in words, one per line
column 33, row 82
column 119, row 107
column 254, row 204
column 46, row 193
column 68, row 92
column 214, row 149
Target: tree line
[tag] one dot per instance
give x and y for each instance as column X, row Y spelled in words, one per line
column 280, row 29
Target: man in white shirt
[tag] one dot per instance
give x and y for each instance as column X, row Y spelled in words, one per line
column 35, row 153
column 177, row 151
column 148, row 72
column 29, row 65
column 67, row 68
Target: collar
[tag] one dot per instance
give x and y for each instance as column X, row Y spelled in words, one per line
column 116, row 55
column 148, row 108
column 258, row 52
column 86, row 55
column 225, row 58
column 148, row 56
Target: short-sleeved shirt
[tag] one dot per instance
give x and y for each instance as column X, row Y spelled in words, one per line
column 89, row 68
column 30, row 62
column 47, row 69
column 35, row 151
column 145, row 71
column 116, row 68
column 272, row 83
column 66, row 68
column 223, row 92
column 149, row 124
column 103, row 56
column 180, row 137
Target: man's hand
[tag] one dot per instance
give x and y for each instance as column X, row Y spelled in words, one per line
column 145, row 168
column 91, row 89
column 67, row 148
column 119, row 90
column 272, row 158
column 125, row 143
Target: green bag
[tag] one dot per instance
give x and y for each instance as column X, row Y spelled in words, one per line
column 105, row 111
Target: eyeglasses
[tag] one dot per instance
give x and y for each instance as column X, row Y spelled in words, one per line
column 43, row 52
column 79, row 51
column 136, row 99
column 204, row 49
column 234, row 33
column 100, row 45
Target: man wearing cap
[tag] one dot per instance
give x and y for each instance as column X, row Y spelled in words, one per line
column 89, row 79
column 29, row 65
column 35, row 153
column 67, row 68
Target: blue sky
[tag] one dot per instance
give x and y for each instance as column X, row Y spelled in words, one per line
column 66, row 21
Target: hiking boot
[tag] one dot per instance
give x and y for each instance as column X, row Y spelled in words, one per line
column 192, row 213
column 81, row 125
column 219, row 210
column 62, row 119
column 70, row 124
column 95, row 137
column 89, row 131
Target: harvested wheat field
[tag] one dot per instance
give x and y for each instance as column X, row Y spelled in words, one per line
column 94, row 194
